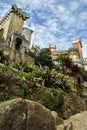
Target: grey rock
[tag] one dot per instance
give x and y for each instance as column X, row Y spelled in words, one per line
column 20, row 114
column 76, row 122
column 13, row 115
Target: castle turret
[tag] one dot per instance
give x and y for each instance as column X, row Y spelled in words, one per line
column 27, row 33
column 12, row 31
column 52, row 48
column 77, row 44
column 12, row 21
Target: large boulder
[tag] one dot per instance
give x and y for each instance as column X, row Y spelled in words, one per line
column 38, row 117
column 58, row 120
column 20, row 114
column 76, row 122
column 13, row 115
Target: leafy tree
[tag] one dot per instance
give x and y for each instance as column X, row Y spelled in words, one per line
column 67, row 62
column 62, row 61
column 30, row 53
column 44, row 58
column 68, row 66
column 33, row 52
column 76, row 70
column 47, row 78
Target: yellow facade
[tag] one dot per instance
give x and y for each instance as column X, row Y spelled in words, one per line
column 73, row 54
column 5, row 26
column 12, row 39
column 13, row 22
column 17, row 25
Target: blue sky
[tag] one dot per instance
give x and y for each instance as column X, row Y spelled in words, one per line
column 54, row 21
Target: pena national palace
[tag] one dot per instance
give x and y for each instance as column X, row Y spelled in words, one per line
column 16, row 39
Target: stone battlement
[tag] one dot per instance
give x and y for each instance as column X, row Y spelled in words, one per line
column 17, row 11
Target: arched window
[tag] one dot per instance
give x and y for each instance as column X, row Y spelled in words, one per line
column 1, row 32
column 18, row 43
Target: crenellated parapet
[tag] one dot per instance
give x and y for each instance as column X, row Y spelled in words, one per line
column 77, row 44
column 12, row 21
column 17, row 11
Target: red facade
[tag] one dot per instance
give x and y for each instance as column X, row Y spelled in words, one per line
column 78, row 45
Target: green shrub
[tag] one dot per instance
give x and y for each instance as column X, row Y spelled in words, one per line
column 1, row 96
column 59, row 97
column 84, row 75
column 48, row 100
column 59, row 80
column 12, row 97
column 21, row 74
column 24, row 90
column 30, row 76
column 5, row 68
column 59, row 91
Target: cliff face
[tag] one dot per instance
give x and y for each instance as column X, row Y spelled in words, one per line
column 20, row 114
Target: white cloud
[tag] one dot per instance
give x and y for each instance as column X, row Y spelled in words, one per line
column 54, row 21
column 74, row 5
column 84, row 47
column 3, row 8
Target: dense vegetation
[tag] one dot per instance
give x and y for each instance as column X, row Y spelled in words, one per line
column 46, row 83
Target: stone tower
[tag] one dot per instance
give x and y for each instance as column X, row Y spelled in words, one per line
column 77, row 44
column 27, row 33
column 12, row 32
column 52, row 48
column 12, row 21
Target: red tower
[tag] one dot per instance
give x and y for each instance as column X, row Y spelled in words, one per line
column 52, row 48
column 78, row 45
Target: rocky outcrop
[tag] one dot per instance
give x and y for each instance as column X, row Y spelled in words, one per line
column 38, row 117
column 76, row 122
column 20, row 114
column 13, row 115
column 66, row 104
column 58, row 120
column 71, row 106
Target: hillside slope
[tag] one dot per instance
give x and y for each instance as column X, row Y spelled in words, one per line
column 65, row 104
